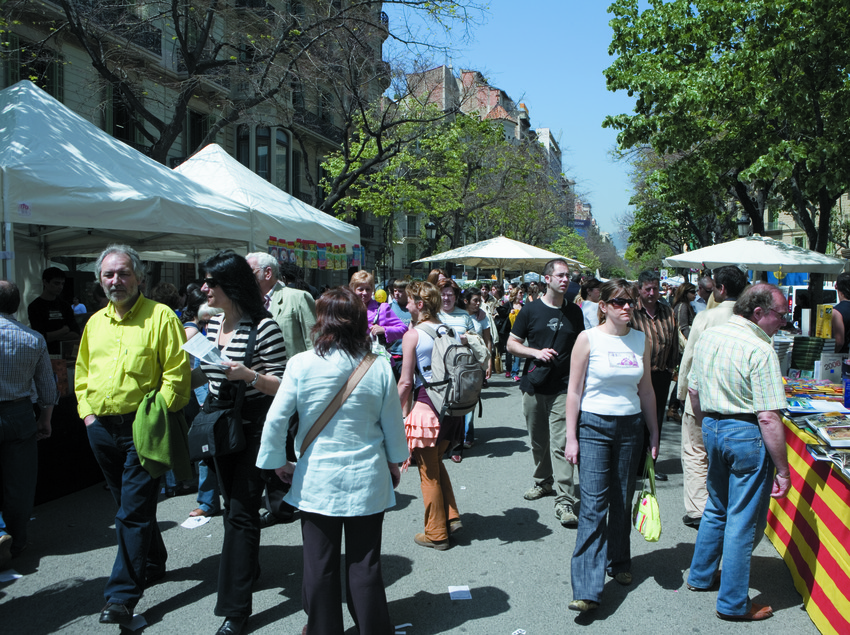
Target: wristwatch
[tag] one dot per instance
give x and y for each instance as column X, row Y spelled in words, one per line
column 254, row 381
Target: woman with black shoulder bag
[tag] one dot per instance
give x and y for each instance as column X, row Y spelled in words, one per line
column 253, row 344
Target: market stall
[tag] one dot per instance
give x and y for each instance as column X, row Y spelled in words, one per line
column 811, row 531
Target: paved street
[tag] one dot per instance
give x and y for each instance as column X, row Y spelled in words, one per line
column 513, row 554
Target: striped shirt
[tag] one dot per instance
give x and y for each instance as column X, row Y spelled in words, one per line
column 458, row 320
column 24, row 360
column 735, row 370
column 269, row 352
column 661, row 335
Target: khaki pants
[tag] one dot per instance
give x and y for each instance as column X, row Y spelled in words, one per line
column 694, row 466
column 437, row 493
column 545, row 418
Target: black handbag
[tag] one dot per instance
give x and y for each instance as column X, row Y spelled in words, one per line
column 217, row 429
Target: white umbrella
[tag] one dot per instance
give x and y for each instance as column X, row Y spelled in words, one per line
column 500, row 253
column 759, row 254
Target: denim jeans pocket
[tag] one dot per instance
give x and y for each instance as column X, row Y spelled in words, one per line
column 744, row 449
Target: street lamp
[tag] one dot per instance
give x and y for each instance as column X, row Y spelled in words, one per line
column 431, row 234
column 743, row 226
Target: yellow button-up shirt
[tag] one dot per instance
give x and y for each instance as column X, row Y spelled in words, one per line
column 121, row 360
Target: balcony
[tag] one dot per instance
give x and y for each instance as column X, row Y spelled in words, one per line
column 319, row 125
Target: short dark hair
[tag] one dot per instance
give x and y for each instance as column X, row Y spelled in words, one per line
column 51, row 273
column 400, row 284
column 757, row 296
column 234, row 276
column 195, row 298
column 591, row 284
column 842, row 284
column 733, row 280
column 550, row 266
column 341, row 322
column 647, row 276
column 10, row 297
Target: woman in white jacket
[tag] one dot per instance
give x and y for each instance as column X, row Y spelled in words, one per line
column 344, row 480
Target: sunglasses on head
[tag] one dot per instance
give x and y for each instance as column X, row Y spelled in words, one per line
column 620, row 302
column 211, row 282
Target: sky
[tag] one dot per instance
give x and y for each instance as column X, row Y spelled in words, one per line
column 550, row 54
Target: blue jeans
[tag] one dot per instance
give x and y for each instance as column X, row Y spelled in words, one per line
column 609, row 450
column 208, row 494
column 140, row 546
column 19, row 466
column 740, row 478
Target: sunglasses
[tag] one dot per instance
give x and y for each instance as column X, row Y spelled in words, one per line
column 621, row 302
column 211, row 282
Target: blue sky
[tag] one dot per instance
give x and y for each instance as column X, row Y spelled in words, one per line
column 550, row 54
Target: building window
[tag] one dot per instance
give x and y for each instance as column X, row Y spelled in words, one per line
column 800, row 241
column 197, row 128
column 296, row 174
column 263, row 139
column 412, row 228
column 243, row 145
column 411, row 252
column 123, row 127
column 43, row 67
column 281, row 158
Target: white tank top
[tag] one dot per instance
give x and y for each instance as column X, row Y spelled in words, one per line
column 614, row 368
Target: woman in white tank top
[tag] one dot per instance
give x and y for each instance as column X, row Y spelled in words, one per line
column 609, row 399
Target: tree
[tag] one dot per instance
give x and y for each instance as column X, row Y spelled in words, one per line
column 759, row 89
column 235, row 55
column 571, row 245
column 459, row 172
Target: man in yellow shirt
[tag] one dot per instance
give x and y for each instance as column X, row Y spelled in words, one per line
column 129, row 348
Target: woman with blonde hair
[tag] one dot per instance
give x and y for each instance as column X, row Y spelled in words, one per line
column 427, row 437
column 382, row 322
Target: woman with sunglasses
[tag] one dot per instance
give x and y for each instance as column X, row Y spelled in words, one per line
column 231, row 286
column 607, row 393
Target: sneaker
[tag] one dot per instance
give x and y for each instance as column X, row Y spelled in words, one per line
column 508, row 375
column 516, row 378
column 423, row 541
column 582, row 606
column 455, row 525
column 564, row 513
column 537, row 492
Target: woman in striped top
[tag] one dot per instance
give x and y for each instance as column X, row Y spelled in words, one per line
column 231, row 286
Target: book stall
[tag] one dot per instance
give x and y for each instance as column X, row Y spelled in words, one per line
column 811, row 527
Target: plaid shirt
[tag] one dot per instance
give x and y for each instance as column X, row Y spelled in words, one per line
column 661, row 335
column 24, row 364
column 735, row 370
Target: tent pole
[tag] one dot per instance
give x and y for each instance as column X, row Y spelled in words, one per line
column 8, row 237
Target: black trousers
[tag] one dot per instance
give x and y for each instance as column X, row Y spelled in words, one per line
column 322, row 588
column 242, row 486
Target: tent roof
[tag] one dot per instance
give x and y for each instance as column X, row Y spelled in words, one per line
column 60, row 170
column 499, row 253
column 759, row 254
column 276, row 213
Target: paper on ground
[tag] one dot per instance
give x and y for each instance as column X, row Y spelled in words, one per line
column 460, row 593
column 206, row 351
column 193, row 522
column 9, row 574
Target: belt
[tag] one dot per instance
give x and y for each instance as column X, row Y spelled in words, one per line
column 749, row 417
column 114, row 420
column 11, row 401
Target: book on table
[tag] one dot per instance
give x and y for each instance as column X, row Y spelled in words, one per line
column 836, row 436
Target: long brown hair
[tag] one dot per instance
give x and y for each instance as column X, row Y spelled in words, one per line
column 428, row 294
column 341, row 322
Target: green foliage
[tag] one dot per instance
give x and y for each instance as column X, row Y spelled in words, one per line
column 572, row 245
column 752, row 96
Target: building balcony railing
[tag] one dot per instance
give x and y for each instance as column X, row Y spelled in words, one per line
column 366, row 230
column 318, row 125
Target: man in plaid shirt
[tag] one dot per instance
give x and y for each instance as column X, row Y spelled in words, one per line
column 736, row 389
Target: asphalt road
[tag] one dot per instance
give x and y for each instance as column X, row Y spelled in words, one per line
column 513, row 555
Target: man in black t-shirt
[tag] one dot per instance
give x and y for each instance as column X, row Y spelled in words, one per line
column 50, row 315
column 550, row 325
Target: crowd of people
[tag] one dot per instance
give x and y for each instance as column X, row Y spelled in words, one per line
column 336, row 398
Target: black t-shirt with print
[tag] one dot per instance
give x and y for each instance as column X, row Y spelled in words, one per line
column 548, row 327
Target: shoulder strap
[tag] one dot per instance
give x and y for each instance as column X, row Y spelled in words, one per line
column 338, row 400
column 249, row 356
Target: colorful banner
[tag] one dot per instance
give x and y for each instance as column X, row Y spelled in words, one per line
column 811, row 531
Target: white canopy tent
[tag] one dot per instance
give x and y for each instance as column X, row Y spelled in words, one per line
column 500, row 253
column 69, row 188
column 758, row 254
column 273, row 211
